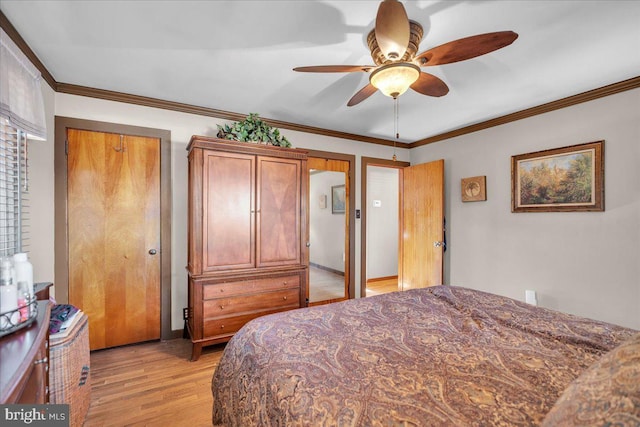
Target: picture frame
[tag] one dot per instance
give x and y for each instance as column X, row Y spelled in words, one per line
column 566, row 179
column 474, row 189
column 338, row 199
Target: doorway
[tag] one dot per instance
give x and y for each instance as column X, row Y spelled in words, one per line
column 383, row 225
column 330, row 240
column 420, row 224
column 387, row 276
column 113, row 252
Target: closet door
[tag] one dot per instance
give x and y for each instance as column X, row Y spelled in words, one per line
column 278, row 207
column 113, row 203
column 228, row 218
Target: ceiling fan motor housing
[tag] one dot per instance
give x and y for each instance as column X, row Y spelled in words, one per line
column 415, row 37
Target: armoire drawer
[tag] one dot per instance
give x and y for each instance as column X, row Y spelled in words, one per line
column 229, row 306
column 251, row 286
column 227, row 325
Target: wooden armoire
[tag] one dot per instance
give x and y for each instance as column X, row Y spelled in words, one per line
column 247, row 235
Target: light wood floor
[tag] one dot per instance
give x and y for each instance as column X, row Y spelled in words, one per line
column 155, row 384
column 382, row 286
column 152, row 384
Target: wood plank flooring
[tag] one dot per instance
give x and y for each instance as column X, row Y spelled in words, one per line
column 378, row 286
column 155, row 384
column 152, row 384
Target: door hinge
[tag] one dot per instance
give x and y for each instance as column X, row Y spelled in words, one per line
column 66, row 147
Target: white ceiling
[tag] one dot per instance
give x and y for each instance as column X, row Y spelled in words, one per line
column 238, row 56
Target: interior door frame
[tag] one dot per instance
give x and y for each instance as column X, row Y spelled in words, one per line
column 365, row 163
column 352, row 210
column 61, row 257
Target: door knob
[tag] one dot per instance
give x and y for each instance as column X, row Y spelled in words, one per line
column 152, row 252
column 308, row 244
column 437, row 244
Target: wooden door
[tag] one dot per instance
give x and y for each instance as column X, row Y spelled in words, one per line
column 422, row 226
column 278, row 212
column 228, row 220
column 113, row 203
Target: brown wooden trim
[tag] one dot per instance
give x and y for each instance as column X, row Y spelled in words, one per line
column 352, row 209
column 569, row 101
column 61, row 261
column 24, row 47
column 226, row 145
column 209, row 112
column 365, row 162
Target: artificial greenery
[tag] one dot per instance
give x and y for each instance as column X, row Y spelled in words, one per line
column 253, row 128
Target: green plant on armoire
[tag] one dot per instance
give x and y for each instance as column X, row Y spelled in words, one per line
column 253, row 129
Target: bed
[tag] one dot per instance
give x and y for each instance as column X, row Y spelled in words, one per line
column 439, row 356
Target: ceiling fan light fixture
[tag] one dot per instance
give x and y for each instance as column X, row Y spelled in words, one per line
column 394, row 79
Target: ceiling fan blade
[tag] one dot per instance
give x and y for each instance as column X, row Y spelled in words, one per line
column 428, row 84
column 335, row 68
column 362, row 94
column 392, row 29
column 466, row 48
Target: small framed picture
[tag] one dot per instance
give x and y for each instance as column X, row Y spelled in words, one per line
column 474, row 189
column 338, row 198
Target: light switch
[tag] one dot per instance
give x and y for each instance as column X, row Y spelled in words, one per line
column 377, row 203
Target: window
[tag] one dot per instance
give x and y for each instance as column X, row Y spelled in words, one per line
column 14, row 208
column 21, row 118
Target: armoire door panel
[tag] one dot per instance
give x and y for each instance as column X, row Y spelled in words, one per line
column 278, row 221
column 229, row 211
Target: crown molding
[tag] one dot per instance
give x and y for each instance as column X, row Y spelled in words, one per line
column 204, row 111
column 72, row 89
column 569, row 101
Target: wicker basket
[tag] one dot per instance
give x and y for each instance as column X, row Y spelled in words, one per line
column 69, row 379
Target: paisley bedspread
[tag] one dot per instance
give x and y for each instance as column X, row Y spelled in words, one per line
column 439, row 356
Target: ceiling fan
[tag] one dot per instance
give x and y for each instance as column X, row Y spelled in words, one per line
column 393, row 44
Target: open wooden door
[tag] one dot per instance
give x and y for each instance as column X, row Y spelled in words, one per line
column 422, row 224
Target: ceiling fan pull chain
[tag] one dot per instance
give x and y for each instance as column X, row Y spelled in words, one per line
column 395, row 126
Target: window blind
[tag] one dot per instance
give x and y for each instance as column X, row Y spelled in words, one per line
column 14, row 202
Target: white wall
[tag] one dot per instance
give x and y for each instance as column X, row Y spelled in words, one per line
column 382, row 222
column 182, row 127
column 326, row 229
column 41, row 235
column 585, row 263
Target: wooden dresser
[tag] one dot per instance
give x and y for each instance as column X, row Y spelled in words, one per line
column 247, row 235
column 24, row 371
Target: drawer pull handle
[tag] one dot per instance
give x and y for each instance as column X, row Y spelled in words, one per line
column 284, row 298
column 222, row 307
column 39, row 361
column 284, row 283
column 221, row 326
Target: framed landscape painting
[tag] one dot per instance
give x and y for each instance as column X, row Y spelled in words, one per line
column 567, row 179
column 338, row 199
